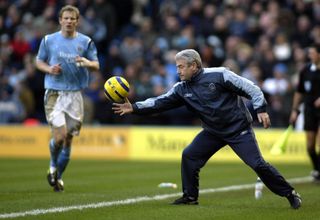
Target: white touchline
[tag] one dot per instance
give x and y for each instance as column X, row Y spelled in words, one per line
column 135, row 200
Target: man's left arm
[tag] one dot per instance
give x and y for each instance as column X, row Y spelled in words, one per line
column 248, row 89
column 90, row 60
column 84, row 62
column 245, row 88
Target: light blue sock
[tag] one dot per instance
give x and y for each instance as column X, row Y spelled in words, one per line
column 63, row 160
column 54, row 152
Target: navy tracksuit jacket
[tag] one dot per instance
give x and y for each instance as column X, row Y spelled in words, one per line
column 214, row 94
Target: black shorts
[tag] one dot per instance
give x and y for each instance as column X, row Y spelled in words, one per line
column 311, row 119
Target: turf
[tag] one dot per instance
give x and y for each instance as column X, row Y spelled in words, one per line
column 23, row 187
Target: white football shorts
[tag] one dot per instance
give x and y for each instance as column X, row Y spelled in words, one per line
column 64, row 108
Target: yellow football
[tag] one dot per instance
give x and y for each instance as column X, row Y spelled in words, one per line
column 116, row 89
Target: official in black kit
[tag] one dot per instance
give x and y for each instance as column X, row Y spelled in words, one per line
column 308, row 93
column 214, row 95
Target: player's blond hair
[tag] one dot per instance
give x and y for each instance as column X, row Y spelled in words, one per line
column 69, row 8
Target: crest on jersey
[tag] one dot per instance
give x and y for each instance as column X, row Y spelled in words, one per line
column 80, row 50
column 307, row 86
column 212, row 87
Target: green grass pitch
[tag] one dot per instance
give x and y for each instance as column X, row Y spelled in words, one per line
column 23, row 188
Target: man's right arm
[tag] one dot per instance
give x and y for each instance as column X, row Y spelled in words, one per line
column 158, row 104
column 42, row 56
column 297, row 99
column 44, row 67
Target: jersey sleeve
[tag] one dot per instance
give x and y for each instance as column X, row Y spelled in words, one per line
column 42, row 52
column 161, row 103
column 245, row 88
column 92, row 53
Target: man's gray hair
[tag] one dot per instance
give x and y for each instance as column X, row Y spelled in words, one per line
column 190, row 56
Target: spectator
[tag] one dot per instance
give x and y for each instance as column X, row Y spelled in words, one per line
column 276, row 89
column 131, row 49
column 20, row 47
column 303, row 34
column 92, row 25
column 282, row 48
column 107, row 13
column 11, row 109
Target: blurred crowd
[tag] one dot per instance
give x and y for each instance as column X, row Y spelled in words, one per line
column 264, row 41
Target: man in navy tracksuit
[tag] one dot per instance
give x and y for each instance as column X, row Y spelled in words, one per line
column 214, row 94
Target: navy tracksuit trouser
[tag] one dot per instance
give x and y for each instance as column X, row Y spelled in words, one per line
column 204, row 145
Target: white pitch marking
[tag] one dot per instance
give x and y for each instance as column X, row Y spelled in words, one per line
column 135, row 200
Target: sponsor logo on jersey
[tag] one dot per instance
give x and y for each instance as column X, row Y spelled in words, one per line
column 307, row 86
column 187, row 95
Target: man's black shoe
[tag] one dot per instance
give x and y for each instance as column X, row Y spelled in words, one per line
column 52, row 178
column 294, row 199
column 59, row 187
column 185, row 200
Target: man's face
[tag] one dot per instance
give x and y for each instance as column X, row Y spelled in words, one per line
column 185, row 70
column 313, row 55
column 68, row 22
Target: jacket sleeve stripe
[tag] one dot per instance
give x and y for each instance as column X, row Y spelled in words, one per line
column 246, row 87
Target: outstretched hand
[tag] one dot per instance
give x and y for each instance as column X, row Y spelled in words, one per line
column 122, row 108
column 263, row 118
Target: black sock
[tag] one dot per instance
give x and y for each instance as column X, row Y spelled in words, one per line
column 318, row 162
column 314, row 159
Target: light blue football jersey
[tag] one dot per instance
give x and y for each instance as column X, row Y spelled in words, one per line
column 57, row 49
